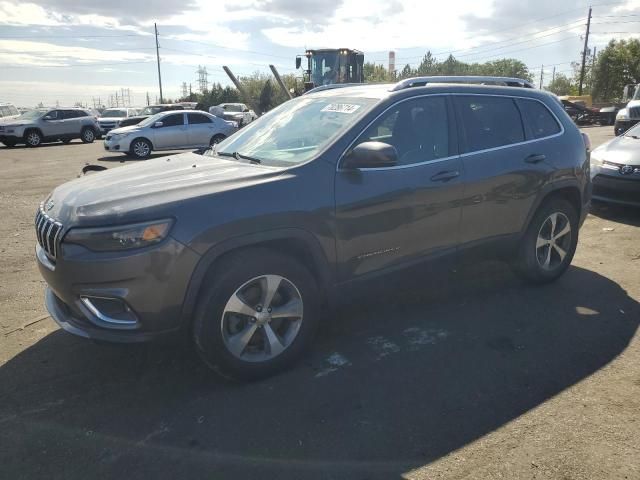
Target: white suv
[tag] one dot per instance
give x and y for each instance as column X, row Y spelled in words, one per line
column 8, row 110
column 111, row 117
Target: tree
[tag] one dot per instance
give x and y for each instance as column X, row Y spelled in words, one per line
column 562, row 85
column 266, row 97
column 617, row 65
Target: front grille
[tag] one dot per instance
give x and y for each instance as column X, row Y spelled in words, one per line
column 48, row 233
column 634, row 112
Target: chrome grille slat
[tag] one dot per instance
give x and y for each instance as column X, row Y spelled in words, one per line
column 48, row 233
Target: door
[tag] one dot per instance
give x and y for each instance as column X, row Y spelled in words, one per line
column 505, row 167
column 52, row 124
column 201, row 129
column 72, row 122
column 395, row 215
column 172, row 133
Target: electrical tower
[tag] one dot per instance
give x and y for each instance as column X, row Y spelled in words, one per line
column 185, row 90
column 203, row 79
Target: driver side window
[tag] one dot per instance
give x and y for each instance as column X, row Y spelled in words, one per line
column 417, row 128
column 54, row 115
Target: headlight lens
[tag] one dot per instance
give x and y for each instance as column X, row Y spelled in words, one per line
column 622, row 114
column 125, row 237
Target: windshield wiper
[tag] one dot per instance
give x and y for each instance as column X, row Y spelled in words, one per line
column 636, row 137
column 237, row 156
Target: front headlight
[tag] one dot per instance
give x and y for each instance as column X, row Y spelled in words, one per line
column 622, row 114
column 118, row 136
column 125, row 237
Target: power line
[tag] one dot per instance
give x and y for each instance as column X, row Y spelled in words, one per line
column 76, row 65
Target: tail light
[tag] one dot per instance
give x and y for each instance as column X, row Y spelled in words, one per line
column 587, row 141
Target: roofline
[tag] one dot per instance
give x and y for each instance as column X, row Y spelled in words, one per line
column 473, row 79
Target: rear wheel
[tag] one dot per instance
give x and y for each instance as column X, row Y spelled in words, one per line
column 88, row 135
column 216, row 139
column 257, row 315
column 550, row 242
column 33, row 138
column 140, row 148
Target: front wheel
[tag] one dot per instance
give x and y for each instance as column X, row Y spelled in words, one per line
column 140, row 148
column 33, row 138
column 257, row 315
column 549, row 243
column 88, row 135
column 9, row 143
column 216, row 139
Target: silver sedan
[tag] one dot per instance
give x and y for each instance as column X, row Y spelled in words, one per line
column 615, row 169
column 170, row 130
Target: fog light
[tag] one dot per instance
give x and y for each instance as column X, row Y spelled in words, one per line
column 109, row 312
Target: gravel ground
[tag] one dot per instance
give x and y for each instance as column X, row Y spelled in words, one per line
column 476, row 376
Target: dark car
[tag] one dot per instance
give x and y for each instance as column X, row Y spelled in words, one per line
column 240, row 248
column 148, row 112
column 615, row 169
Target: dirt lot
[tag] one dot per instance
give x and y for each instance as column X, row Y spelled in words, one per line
column 473, row 377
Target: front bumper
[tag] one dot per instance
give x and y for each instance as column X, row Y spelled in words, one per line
column 151, row 282
column 617, row 188
column 622, row 126
column 117, row 145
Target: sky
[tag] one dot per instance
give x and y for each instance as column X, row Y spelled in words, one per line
column 68, row 51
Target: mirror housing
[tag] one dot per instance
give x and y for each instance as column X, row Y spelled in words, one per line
column 371, row 155
column 47, row 118
column 246, row 110
column 298, row 62
column 158, row 125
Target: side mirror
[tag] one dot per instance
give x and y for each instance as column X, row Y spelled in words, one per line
column 158, row 124
column 298, row 62
column 47, row 117
column 371, row 155
column 246, row 110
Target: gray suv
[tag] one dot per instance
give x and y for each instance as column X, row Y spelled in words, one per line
column 49, row 125
column 240, row 248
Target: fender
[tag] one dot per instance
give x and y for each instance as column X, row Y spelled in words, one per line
column 321, row 263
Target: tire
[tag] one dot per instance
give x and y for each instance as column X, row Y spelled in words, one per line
column 32, row 138
column 66, row 141
column 246, row 273
column 88, row 135
column 539, row 258
column 216, row 139
column 9, row 143
column 140, row 148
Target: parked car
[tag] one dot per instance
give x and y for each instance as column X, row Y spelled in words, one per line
column 615, row 169
column 49, row 125
column 236, row 112
column 111, row 118
column 149, row 111
column 8, row 110
column 169, row 131
column 242, row 246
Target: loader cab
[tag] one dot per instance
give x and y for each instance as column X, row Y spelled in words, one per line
column 331, row 66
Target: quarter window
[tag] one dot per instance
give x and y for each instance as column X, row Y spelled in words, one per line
column 489, row 122
column 538, row 118
column 195, row 118
column 417, row 128
column 173, row 120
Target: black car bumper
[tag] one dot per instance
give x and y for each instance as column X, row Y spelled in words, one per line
column 622, row 126
column 624, row 191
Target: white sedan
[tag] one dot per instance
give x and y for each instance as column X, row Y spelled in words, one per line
column 170, row 130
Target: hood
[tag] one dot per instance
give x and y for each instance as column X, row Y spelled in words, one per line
column 129, row 193
column 622, row 150
column 233, row 114
column 130, row 128
column 633, row 103
column 110, row 119
column 15, row 121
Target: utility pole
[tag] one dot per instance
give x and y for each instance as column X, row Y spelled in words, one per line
column 158, row 58
column 117, row 103
column 541, row 75
column 553, row 75
column 593, row 67
column 584, row 52
column 148, row 101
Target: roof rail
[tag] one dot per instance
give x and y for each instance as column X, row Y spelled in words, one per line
column 480, row 79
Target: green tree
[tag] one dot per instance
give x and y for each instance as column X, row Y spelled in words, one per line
column 562, row 85
column 407, row 72
column 266, row 97
column 428, row 65
column 617, row 65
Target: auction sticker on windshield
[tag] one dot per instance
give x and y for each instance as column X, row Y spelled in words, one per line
column 341, row 108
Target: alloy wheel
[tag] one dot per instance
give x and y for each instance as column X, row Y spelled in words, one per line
column 554, row 241
column 33, row 139
column 262, row 318
column 88, row 135
column 141, row 149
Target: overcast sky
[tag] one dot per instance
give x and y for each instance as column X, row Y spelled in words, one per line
column 70, row 50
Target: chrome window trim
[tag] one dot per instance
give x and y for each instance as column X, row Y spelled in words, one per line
column 461, row 155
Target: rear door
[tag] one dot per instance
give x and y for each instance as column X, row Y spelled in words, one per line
column 72, row 122
column 173, row 133
column 392, row 216
column 201, row 129
column 505, row 167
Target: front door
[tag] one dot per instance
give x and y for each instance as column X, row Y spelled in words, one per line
column 52, row 124
column 172, row 133
column 395, row 215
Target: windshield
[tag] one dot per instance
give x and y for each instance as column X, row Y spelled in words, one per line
column 232, row 108
column 151, row 110
column 151, row 120
column 324, row 68
column 31, row 114
column 297, row 130
column 114, row 113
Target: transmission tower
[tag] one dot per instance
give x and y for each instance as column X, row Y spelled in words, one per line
column 203, row 79
column 185, row 90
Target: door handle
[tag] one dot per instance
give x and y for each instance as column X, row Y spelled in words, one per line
column 535, row 158
column 445, row 176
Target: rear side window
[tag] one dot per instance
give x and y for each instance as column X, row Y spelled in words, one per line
column 538, row 119
column 197, row 118
column 489, row 122
column 173, row 120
